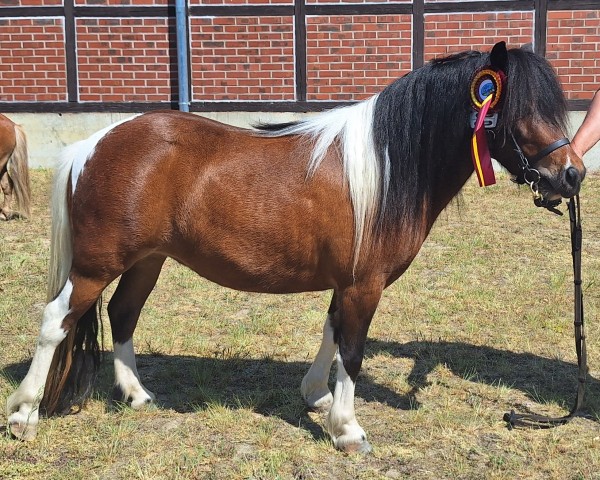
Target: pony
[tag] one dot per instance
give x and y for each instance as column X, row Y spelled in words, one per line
column 14, row 171
column 340, row 201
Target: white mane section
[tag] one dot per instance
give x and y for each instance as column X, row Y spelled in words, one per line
column 352, row 127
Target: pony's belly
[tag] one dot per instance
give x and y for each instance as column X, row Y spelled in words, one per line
column 266, row 278
column 261, row 270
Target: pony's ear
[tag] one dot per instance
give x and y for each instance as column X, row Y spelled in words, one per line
column 499, row 56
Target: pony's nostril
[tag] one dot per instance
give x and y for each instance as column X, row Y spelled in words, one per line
column 572, row 176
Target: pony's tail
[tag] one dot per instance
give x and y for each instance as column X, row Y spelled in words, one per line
column 77, row 358
column 18, row 170
column 74, row 367
column 61, row 249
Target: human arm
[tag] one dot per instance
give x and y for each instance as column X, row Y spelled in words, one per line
column 588, row 133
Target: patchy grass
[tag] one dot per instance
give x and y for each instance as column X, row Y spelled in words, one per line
column 480, row 324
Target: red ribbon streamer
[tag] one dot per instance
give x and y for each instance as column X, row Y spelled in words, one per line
column 480, row 153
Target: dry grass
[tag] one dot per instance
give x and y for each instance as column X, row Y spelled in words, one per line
column 480, row 324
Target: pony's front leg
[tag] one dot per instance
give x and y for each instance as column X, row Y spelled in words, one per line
column 22, row 405
column 315, row 390
column 350, row 323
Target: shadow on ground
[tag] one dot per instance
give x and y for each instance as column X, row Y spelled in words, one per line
column 271, row 387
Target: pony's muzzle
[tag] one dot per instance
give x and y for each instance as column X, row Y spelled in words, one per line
column 564, row 183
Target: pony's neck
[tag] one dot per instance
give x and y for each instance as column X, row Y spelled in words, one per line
column 448, row 185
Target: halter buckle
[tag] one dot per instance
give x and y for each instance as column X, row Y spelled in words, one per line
column 490, row 121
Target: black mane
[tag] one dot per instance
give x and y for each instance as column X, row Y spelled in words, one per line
column 421, row 122
column 273, row 127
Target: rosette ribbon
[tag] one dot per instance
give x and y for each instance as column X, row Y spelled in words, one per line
column 480, row 153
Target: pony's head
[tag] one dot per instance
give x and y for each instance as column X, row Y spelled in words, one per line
column 529, row 137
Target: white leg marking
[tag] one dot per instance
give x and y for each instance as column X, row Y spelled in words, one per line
column 127, row 378
column 22, row 405
column 314, row 384
column 345, row 431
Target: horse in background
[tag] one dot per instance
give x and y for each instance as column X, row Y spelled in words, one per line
column 14, row 171
column 341, row 201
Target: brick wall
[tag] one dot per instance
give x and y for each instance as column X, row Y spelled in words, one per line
column 455, row 32
column 573, row 41
column 32, row 60
column 240, row 2
column 121, row 2
column 28, row 3
column 356, row 1
column 251, row 58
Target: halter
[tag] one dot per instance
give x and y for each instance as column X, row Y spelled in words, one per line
column 532, row 176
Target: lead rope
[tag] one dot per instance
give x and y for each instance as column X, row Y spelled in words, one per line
column 541, row 421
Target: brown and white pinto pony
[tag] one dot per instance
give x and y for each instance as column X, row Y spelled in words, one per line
column 342, row 201
column 14, row 170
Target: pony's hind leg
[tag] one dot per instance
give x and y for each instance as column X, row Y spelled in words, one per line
column 315, row 390
column 22, row 405
column 124, row 310
column 59, row 317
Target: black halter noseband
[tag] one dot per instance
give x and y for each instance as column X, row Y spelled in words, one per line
column 532, row 177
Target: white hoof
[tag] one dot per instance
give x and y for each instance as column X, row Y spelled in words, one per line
column 349, row 444
column 136, row 398
column 349, row 438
